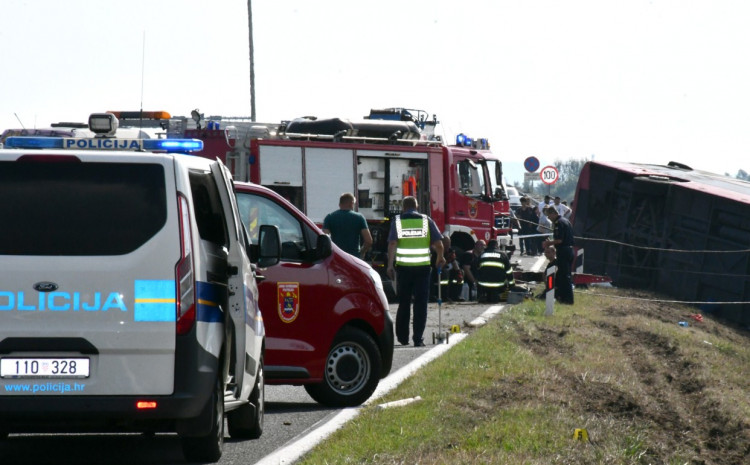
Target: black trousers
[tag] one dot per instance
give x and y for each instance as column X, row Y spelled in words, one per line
column 563, row 281
column 412, row 281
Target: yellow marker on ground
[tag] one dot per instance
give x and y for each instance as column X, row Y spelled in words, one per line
column 581, row 434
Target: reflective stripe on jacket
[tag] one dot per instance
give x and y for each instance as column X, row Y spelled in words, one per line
column 497, row 267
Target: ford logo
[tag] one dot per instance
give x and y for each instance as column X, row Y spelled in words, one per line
column 45, row 286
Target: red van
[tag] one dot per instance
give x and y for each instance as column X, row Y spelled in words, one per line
column 325, row 311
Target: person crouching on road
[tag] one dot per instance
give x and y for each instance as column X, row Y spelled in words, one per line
column 495, row 274
column 452, row 277
column 412, row 234
column 562, row 240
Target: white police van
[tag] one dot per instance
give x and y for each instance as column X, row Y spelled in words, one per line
column 127, row 298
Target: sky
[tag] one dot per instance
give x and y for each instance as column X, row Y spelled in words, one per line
column 637, row 81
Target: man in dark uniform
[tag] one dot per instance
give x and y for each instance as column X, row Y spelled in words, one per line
column 470, row 264
column 494, row 274
column 562, row 239
column 412, row 234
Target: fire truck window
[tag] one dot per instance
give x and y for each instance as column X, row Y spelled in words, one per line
column 256, row 210
column 471, row 178
column 495, row 170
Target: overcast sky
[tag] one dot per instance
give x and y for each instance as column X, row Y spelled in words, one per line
column 630, row 80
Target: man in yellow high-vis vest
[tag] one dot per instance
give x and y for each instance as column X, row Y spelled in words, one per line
column 412, row 234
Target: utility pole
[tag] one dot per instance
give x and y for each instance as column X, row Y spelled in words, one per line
column 252, row 60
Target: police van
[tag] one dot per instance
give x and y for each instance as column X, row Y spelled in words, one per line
column 128, row 301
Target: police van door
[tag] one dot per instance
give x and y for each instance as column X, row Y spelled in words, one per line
column 243, row 306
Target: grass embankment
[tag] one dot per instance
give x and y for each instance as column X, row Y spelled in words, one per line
column 645, row 389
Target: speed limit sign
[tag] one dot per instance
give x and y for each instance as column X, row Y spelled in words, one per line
column 549, row 175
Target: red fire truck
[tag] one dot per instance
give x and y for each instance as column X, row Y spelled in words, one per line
column 391, row 153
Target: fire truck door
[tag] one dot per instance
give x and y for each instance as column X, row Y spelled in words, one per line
column 328, row 174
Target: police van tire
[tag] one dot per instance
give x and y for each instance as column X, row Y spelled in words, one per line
column 208, row 448
column 352, row 370
column 246, row 422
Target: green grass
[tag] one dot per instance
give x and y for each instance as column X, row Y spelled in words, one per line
column 645, row 390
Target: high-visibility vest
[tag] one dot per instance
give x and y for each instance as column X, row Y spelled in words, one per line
column 413, row 247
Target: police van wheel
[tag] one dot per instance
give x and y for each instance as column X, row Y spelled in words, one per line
column 208, row 448
column 352, row 370
column 247, row 421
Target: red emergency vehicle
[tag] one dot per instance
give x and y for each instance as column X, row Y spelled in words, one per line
column 325, row 312
column 382, row 158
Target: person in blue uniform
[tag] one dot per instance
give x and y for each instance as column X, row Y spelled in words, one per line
column 562, row 240
column 411, row 236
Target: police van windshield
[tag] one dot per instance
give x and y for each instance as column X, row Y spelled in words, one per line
column 79, row 208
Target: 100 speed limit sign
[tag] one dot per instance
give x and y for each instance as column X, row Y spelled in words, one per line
column 549, row 174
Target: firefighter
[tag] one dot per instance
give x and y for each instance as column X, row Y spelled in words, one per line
column 494, row 274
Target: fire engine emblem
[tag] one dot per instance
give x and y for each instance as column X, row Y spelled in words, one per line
column 473, row 208
column 288, row 294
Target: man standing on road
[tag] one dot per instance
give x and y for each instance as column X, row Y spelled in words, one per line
column 562, row 239
column 346, row 227
column 529, row 221
column 409, row 241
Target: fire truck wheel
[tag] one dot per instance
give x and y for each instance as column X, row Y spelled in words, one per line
column 208, row 448
column 246, row 422
column 352, row 370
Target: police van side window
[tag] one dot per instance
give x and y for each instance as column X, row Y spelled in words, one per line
column 208, row 210
column 80, row 209
column 256, row 210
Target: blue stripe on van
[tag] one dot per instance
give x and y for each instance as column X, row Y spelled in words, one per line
column 154, row 300
column 208, row 309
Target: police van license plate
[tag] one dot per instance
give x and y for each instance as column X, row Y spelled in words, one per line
column 44, row 368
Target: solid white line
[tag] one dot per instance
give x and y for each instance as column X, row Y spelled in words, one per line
column 482, row 319
column 294, row 451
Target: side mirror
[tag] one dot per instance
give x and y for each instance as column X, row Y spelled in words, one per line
column 324, row 247
column 269, row 241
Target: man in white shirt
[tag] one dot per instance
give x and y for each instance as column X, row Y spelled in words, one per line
column 562, row 210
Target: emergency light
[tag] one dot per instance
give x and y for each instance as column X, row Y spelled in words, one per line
column 101, row 143
column 462, row 140
column 103, row 123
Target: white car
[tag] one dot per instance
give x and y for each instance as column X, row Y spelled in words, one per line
column 514, row 196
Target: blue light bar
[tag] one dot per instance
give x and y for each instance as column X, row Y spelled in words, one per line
column 19, row 142
column 173, row 145
column 71, row 143
column 463, row 140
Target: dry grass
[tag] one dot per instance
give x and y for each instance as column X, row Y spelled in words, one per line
column 646, row 390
